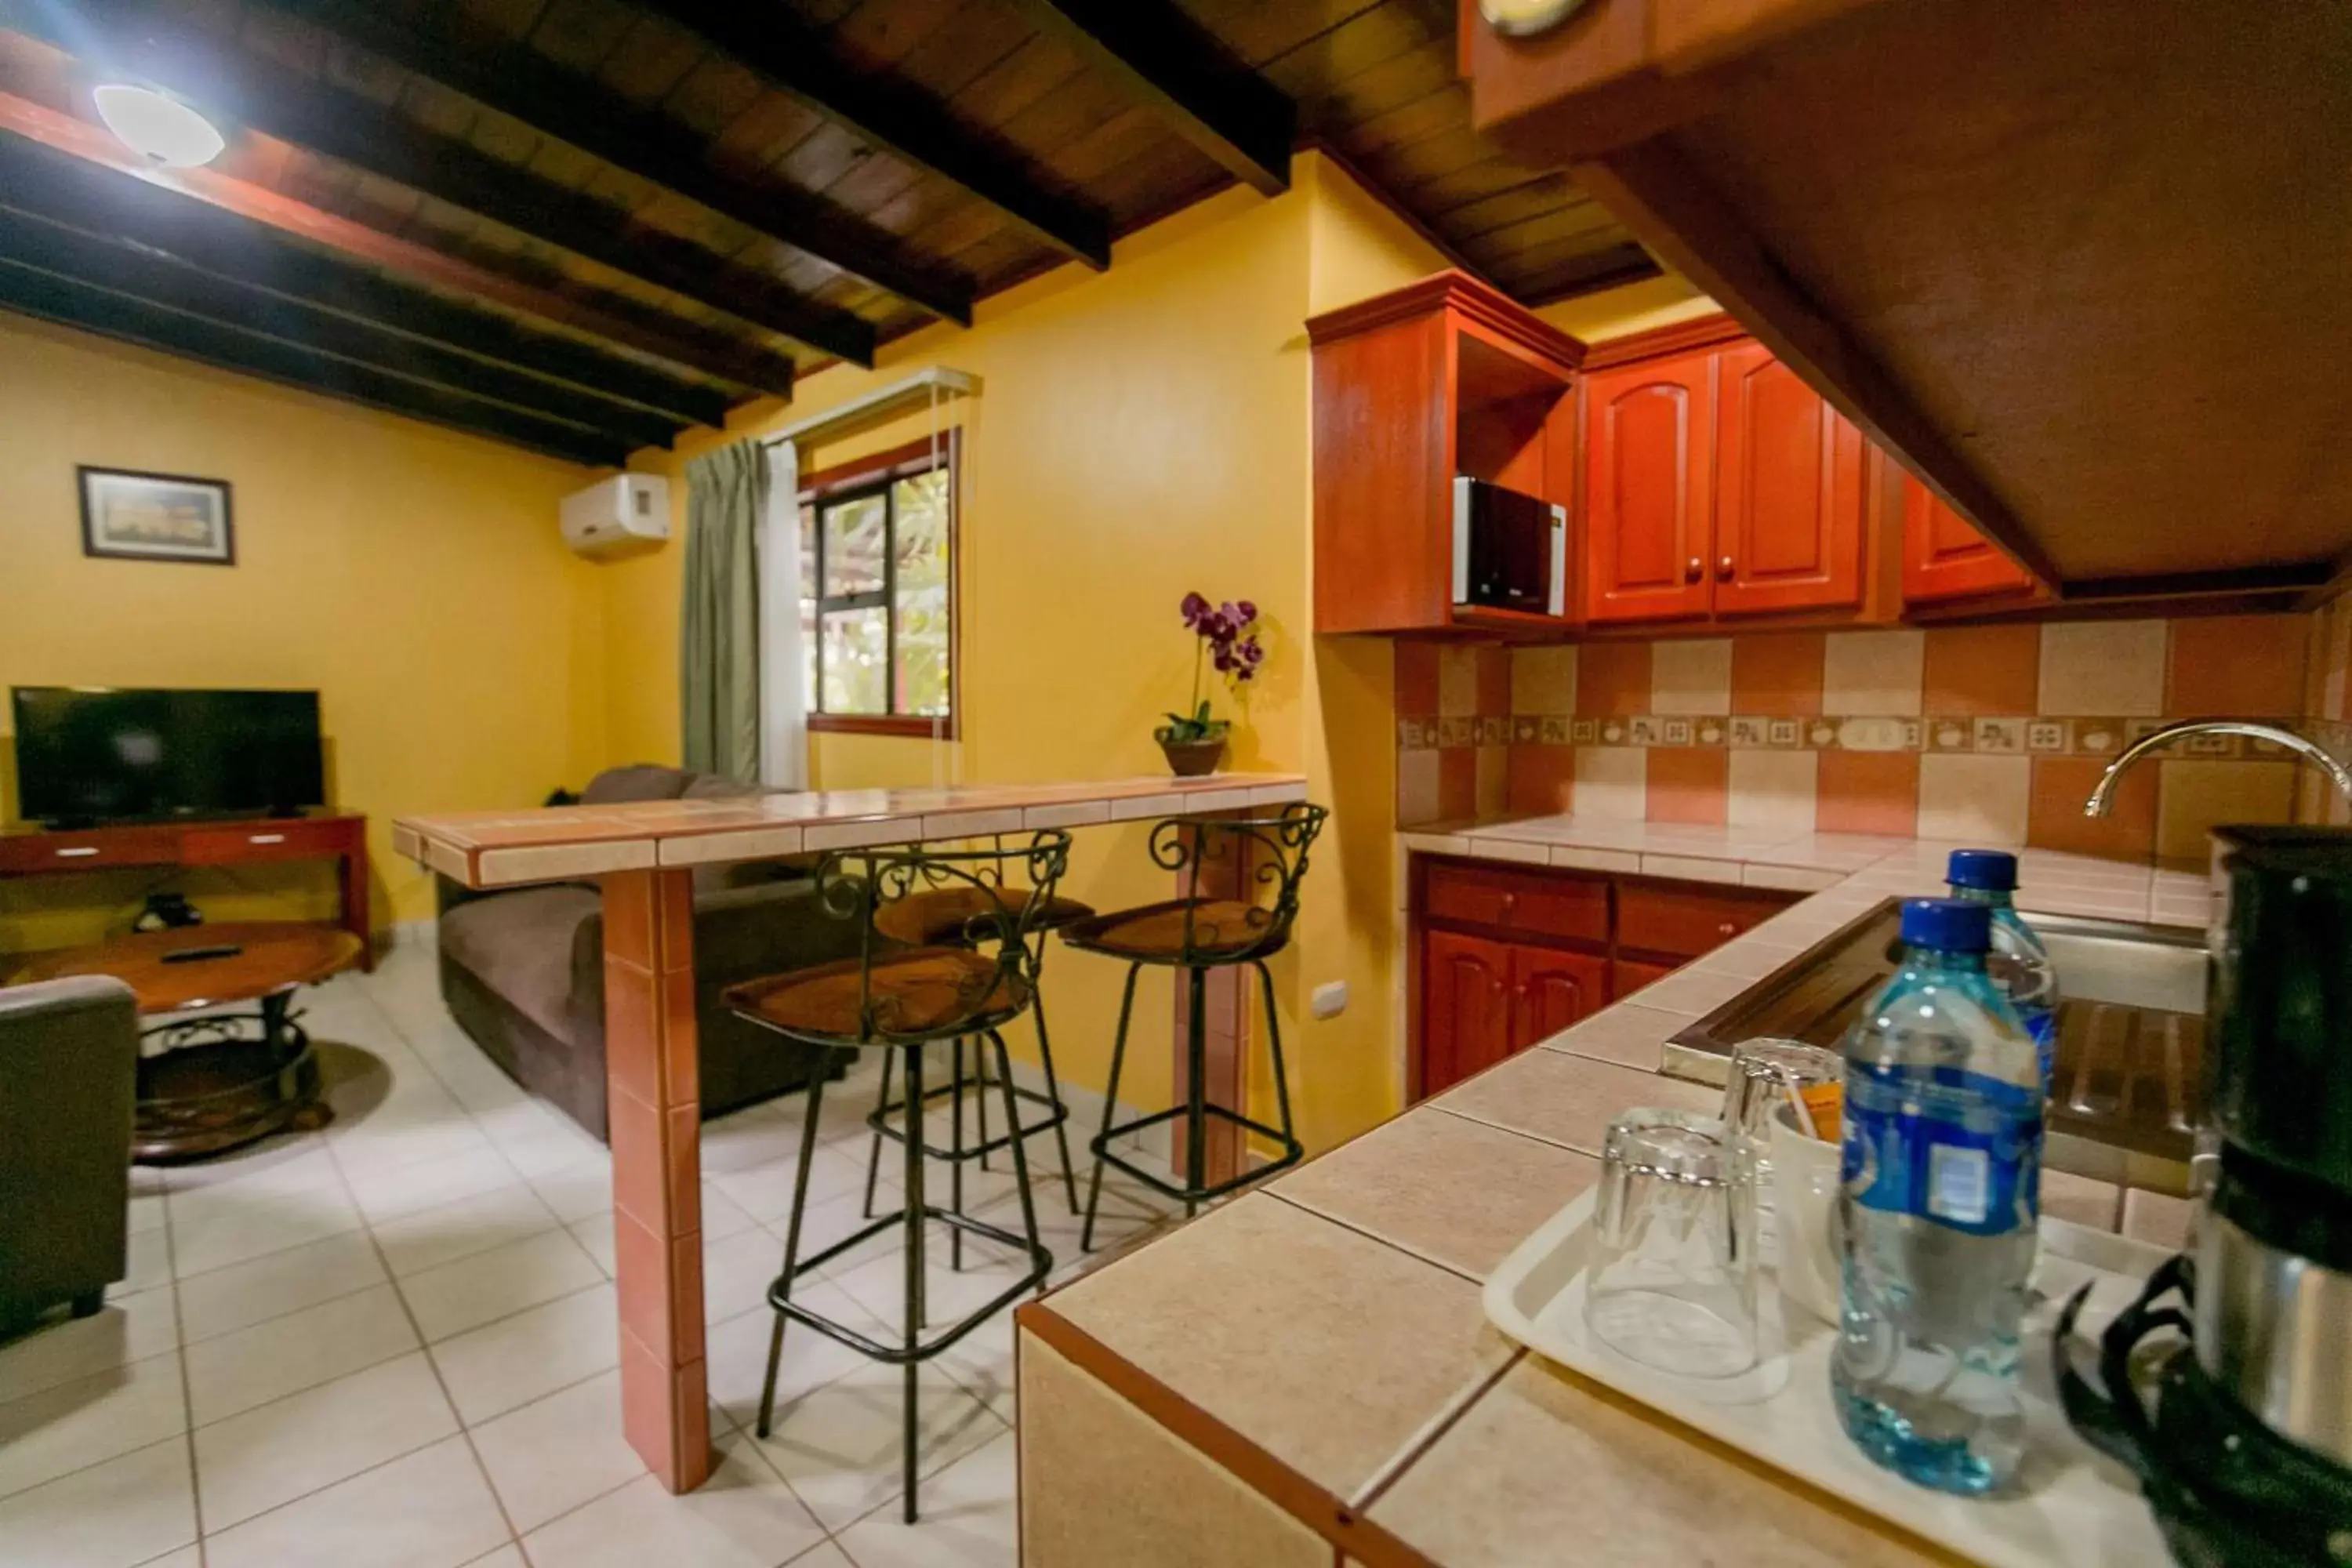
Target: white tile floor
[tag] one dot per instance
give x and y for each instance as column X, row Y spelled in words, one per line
column 393, row 1343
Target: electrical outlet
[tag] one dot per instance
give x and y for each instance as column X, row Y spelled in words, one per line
column 1331, row 1000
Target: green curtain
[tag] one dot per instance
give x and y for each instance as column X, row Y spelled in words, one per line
column 718, row 663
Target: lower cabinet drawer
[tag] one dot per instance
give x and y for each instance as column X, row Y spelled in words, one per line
column 26, row 853
column 1553, row 904
column 287, row 840
column 1686, row 921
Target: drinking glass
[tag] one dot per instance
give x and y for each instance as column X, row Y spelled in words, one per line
column 1671, row 1280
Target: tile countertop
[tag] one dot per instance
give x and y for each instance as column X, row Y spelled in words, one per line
column 1321, row 1336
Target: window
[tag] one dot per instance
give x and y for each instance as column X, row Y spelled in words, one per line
column 878, row 592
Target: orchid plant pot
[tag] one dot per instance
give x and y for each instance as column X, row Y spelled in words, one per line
column 1190, row 759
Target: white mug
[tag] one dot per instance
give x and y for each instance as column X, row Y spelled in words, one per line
column 1805, row 1200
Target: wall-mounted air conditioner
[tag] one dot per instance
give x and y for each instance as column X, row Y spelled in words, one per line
column 622, row 515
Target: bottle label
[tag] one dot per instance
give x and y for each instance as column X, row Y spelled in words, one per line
column 1958, row 1148
column 2042, row 1024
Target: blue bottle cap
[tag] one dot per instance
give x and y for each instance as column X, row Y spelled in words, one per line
column 1949, row 924
column 1994, row 870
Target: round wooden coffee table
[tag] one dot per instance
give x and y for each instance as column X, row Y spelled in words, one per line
column 220, row 1078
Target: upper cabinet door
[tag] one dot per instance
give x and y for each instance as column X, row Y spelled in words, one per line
column 1649, row 475
column 1945, row 558
column 1789, row 492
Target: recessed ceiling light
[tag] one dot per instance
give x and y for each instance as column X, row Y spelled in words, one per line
column 157, row 125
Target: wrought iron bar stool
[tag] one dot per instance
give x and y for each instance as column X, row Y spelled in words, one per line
column 1196, row 934
column 901, row 998
column 954, row 914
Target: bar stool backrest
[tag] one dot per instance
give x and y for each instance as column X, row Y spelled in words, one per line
column 1270, row 853
column 862, row 884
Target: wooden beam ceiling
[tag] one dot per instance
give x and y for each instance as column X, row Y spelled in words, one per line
column 76, row 302
column 309, row 113
column 519, row 82
column 797, row 60
column 595, row 312
column 160, row 221
column 1162, row 59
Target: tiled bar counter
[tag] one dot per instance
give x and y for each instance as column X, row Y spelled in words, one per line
column 1305, row 1376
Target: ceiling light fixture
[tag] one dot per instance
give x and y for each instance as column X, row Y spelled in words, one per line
column 158, row 126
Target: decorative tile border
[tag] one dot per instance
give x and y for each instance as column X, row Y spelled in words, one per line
column 2007, row 735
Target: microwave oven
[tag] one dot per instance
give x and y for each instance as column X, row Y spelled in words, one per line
column 1510, row 551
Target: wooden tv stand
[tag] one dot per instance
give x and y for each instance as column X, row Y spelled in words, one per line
column 28, row 850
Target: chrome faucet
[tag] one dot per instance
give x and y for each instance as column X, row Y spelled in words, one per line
column 2309, row 751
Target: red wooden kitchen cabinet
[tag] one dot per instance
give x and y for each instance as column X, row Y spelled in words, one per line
column 1718, row 484
column 1945, row 558
column 1649, row 449
column 1466, row 1011
column 1551, row 990
column 1789, row 496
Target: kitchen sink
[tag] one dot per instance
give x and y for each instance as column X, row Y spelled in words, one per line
column 2131, row 1034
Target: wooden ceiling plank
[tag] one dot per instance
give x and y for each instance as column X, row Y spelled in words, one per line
column 911, row 124
column 1613, row 267
column 646, row 143
column 77, row 304
column 122, row 267
column 164, row 223
column 280, row 104
column 679, row 342
column 1161, row 59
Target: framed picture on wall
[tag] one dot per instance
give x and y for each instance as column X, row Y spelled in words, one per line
column 133, row 516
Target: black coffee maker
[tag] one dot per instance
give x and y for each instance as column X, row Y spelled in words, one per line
column 2242, row 1434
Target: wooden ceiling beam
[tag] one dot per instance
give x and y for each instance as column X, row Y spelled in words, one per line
column 600, row 315
column 1163, row 59
column 75, row 303
column 121, row 268
column 218, row 243
column 519, row 82
column 796, row 59
column 309, row 113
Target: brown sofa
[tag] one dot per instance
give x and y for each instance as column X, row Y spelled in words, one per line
column 69, row 1052
column 523, row 970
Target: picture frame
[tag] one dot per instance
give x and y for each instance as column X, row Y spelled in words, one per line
column 128, row 514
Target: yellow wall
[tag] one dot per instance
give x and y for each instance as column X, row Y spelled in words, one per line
column 415, row 577
column 1635, row 307
column 1139, row 433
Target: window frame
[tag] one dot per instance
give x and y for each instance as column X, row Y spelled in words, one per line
column 875, row 474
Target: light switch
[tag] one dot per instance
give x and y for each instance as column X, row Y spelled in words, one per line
column 1331, row 1000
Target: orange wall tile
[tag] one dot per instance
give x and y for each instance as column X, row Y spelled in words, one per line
column 1543, row 779
column 2054, row 818
column 1689, row 785
column 1868, row 792
column 2239, row 666
column 1494, row 681
column 1612, row 677
column 1777, row 672
column 1457, row 781
column 1990, row 671
column 1416, row 679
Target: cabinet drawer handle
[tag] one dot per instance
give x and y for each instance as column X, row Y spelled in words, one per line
column 1510, row 902
column 1727, row 929
column 1723, row 569
column 1691, row 569
column 81, row 854
column 265, row 839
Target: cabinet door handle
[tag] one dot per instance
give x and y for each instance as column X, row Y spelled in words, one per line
column 83, row 853
column 1727, row 929
column 1510, row 902
column 1723, row 569
column 1692, row 570
column 265, row 839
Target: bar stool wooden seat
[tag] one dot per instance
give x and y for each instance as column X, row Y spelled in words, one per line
column 896, row 997
column 953, row 915
column 1196, row 934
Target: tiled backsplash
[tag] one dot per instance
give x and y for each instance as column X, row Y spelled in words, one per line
column 2328, row 709
column 1987, row 733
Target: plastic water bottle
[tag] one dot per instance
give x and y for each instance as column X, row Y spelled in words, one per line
column 2017, row 959
column 1942, row 1189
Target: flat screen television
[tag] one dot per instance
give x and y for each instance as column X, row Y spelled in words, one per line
column 90, row 754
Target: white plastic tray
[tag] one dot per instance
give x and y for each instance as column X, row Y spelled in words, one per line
column 2074, row 1507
